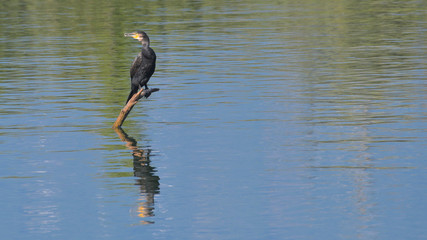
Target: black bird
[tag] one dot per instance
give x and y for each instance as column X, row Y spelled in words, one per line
column 144, row 64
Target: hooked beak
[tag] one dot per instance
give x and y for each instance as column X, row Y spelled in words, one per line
column 133, row 35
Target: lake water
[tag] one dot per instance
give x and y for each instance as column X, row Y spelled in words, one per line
column 274, row 120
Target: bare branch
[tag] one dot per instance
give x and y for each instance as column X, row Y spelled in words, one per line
column 128, row 107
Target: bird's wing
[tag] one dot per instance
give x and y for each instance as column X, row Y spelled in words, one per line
column 152, row 66
column 135, row 65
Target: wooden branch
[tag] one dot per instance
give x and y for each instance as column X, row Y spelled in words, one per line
column 128, row 107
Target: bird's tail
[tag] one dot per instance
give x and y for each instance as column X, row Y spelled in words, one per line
column 132, row 92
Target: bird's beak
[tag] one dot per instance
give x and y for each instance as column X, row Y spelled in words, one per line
column 134, row 35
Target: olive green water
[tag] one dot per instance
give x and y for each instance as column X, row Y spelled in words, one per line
column 274, row 120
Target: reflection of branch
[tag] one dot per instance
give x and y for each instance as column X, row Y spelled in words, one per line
column 126, row 109
column 130, row 142
column 147, row 180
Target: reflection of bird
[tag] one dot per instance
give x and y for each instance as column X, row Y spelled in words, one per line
column 147, row 179
column 144, row 64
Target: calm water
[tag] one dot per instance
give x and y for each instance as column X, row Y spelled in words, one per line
column 275, row 120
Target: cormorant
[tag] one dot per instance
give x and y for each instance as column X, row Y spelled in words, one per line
column 144, row 64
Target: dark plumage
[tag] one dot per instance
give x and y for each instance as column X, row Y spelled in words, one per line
column 144, row 64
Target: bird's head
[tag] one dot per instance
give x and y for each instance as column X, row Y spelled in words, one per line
column 140, row 36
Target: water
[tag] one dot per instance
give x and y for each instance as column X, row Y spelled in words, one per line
column 275, row 120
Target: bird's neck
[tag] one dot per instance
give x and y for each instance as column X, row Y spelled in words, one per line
column 145, row 45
